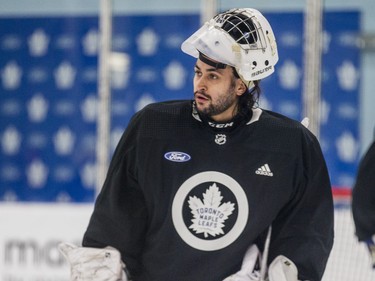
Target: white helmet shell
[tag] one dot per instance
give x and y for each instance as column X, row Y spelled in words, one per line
column 242, row 38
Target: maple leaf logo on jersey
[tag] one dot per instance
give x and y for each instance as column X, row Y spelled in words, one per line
column 209, row 215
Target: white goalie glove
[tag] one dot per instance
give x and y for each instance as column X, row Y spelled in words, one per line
column 281, row 268
column 90, row 264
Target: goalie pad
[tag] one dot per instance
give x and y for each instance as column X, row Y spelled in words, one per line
column 93, row 263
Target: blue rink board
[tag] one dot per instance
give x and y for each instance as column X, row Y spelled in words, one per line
column 48, row 93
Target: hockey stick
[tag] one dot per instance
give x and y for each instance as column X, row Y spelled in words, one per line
column 263, row 266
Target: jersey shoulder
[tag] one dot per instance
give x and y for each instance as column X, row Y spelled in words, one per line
column 172, row 107
column 283, row 132
column 282, row 124
column 275, row 119
column 162, row 118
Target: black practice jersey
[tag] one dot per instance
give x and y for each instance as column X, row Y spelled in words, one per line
column 363, row 203
column 184, row 198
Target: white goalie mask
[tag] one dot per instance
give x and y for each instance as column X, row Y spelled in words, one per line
column 242, row 38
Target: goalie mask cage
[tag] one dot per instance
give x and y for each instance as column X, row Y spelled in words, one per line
column 349, row 260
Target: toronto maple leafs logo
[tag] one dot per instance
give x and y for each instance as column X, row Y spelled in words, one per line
column 209, row 215
column 210, row 210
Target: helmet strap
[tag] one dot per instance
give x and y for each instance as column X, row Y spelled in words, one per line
column 206, row 60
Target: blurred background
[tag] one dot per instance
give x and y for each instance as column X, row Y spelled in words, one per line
column 73, row 72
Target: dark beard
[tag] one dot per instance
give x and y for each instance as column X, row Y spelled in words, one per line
column 221, row 107
column 213, row 110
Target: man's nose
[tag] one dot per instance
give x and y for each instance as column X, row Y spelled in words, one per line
column 201, row 84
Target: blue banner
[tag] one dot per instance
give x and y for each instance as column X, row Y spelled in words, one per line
column 48, row 93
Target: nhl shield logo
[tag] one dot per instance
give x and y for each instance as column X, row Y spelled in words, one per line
column 220, row 139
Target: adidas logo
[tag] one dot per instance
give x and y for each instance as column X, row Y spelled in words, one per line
column 264, row 171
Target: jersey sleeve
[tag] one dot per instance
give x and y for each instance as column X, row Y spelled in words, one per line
column 363, row 200
column 303, row 230
column 120, row 213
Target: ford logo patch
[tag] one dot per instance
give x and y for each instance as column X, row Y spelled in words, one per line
column 176, row 156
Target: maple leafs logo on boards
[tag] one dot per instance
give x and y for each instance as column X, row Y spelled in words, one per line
column 209, row 215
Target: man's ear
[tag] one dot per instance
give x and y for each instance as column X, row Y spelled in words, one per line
column 241, row 87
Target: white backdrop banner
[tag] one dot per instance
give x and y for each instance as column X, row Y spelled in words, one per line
column 29, row 235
